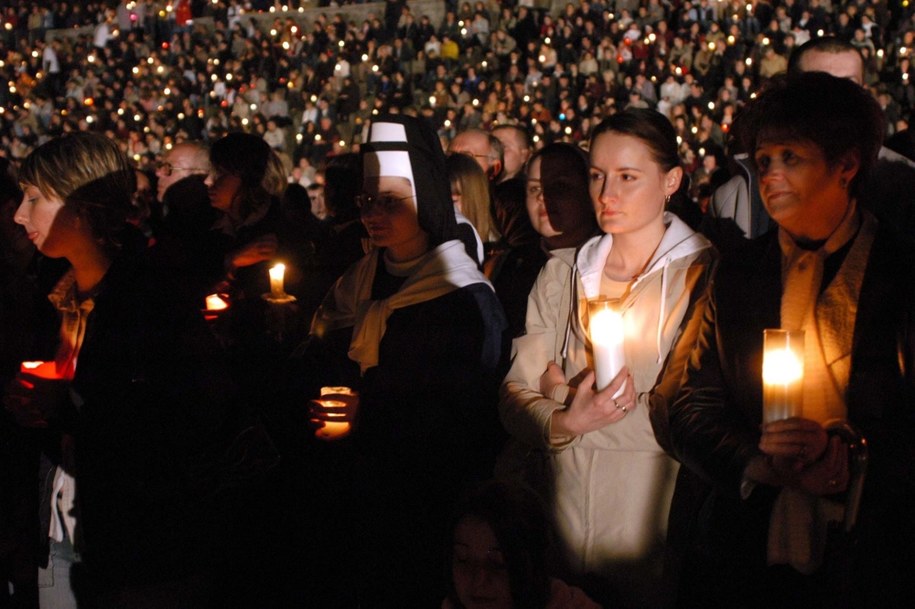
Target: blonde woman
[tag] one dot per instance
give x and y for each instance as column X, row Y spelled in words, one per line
column 471, row 197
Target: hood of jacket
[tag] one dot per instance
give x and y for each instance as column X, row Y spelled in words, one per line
column 679, row 245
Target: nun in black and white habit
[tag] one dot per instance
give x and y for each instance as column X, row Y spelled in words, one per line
column 417, row 331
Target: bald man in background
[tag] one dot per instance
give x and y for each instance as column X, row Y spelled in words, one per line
column 185, row 244
column 485, row 148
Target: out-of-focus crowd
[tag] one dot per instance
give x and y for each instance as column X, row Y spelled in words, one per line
column 150, row 73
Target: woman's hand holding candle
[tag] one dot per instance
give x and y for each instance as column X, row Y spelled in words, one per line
column 795, row 440
column 801, row 455
column 828, row 475
column 552, row 380
column 32, row 398
column 591, row 410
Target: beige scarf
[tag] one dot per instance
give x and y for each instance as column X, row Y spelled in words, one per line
column 74, row 316
column 441, row 271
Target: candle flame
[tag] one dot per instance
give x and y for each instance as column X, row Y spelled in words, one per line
column 607, row 326
column 782, row 366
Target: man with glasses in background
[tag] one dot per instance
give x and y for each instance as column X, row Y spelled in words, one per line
column 483, row 147
column 183, row 160
column 183, row 222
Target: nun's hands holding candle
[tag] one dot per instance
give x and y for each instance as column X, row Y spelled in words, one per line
column 591, row 410
column 335, row 411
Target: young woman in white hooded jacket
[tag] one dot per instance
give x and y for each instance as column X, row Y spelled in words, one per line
column 593, row 454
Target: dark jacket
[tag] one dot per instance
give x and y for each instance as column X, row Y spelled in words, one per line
column 154, row 402
column 715, row 428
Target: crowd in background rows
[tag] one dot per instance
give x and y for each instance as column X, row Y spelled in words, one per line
column 177, row 88
column 150, row 74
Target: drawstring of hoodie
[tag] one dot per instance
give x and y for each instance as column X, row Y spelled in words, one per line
column 573, row 324
column 662, row 308
column 573, row 313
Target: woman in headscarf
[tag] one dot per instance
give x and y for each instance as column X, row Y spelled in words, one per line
column 417, row 330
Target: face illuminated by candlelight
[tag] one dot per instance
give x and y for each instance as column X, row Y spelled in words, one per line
column 391, row 219
column 802, row 191
column 223, row 187
column 47, row 221
column 77, row 197
column 628, row 186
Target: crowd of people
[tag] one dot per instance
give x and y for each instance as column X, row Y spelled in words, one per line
column 150, row 74
column 421, row 412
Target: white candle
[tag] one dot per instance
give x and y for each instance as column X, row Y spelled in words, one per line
column 276, row 281
column 334, row 430
column 782, row 374
column 607, row 333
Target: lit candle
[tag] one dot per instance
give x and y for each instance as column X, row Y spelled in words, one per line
column 42, row 370
column 783, row 374
column 276, row 281
column 216, row 303
column 334, row 430
column 607, row 334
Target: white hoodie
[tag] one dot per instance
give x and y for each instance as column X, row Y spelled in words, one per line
column 611, row 487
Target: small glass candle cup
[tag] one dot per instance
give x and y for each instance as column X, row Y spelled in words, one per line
column 334, row 430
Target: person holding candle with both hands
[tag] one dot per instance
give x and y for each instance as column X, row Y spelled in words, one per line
column 755, row 499
column 602, row 472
